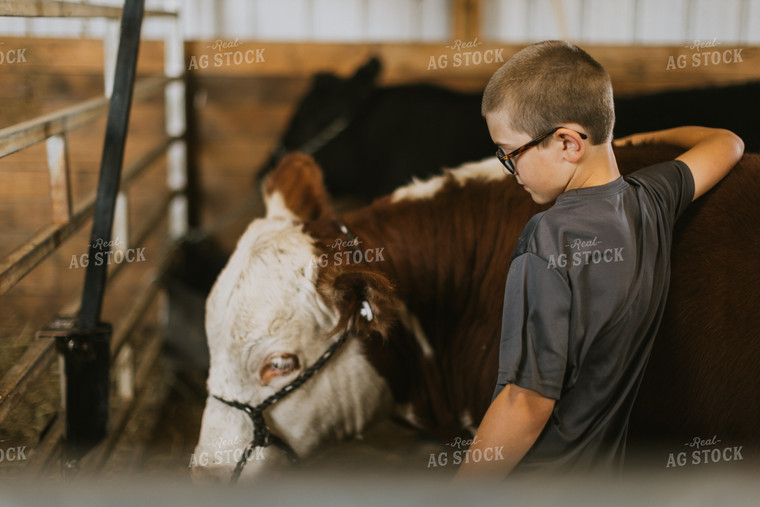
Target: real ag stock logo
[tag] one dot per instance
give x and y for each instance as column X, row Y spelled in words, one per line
column 470, row 56
column 226, row 451
column 704, row 451
column 347, row 252
column 107, row 256
column 227, row 54
column 464, row 453
column 702, row 58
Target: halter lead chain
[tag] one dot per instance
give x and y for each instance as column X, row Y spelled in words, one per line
column 262, row 436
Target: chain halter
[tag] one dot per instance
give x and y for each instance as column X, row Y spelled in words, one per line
column 262, row 435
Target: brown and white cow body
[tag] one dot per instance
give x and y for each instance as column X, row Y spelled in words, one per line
column 435, row 284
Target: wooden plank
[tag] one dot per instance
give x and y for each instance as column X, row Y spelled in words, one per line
column 25, row 258
column 153, row 219
column 23, row 135
column 132, row 317
column 67, row 57
column 137, row 167
column 403, row 62
column 22, row 260
column 236, row 156
column 31, row 186
column 63, row 9
column 632, row 68
column 41, row 456
column 15, row 382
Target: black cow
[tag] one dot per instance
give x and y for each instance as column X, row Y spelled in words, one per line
column 370, row 140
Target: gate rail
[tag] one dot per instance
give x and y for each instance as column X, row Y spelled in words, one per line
column 67, row 219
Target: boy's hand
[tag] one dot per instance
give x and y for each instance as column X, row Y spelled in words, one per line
column 710, row 155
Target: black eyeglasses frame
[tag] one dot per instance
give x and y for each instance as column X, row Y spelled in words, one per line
column 508, row 159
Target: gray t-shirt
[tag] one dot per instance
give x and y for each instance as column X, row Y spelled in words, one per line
column 584, row 297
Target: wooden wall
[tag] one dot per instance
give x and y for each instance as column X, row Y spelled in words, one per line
column 238, row 111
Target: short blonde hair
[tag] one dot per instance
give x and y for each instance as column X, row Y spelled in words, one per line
column 551, row 83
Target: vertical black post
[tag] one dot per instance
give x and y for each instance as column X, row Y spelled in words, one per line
column 86, row 351
column 111, row 163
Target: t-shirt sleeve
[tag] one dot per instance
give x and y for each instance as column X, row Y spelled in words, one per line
column 671, row 183
column 535, row 327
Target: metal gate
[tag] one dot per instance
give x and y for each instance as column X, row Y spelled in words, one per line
column 85, row 429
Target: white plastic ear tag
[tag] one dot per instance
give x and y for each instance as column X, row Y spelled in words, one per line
column 366, row 311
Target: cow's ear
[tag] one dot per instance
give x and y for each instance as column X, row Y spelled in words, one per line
column 325, row 81
column 365, row 78
column 296, row 190
column 365, row 299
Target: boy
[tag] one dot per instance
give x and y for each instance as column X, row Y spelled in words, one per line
column 589, row 277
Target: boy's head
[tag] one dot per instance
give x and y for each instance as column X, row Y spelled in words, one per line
column 546, row 86
column 549, row 84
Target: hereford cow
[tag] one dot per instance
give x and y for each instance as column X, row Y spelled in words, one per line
column 414, row 283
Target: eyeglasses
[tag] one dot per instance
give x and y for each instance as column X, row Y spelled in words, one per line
column 508, row 158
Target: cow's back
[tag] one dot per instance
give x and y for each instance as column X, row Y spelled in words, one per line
column 703, row 378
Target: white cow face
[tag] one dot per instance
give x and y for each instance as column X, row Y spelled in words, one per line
column 265, row 323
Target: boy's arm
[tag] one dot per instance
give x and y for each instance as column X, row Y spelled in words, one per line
column 710, row 155
column 513, row 422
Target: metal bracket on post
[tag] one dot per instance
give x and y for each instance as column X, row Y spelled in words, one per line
column 87, row 356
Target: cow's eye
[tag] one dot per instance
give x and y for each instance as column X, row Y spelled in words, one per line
column 277, row 365
column 283, row 363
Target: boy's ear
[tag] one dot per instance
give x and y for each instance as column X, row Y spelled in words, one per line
column 296, row 188
column 573, row 145
column 364, row 298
